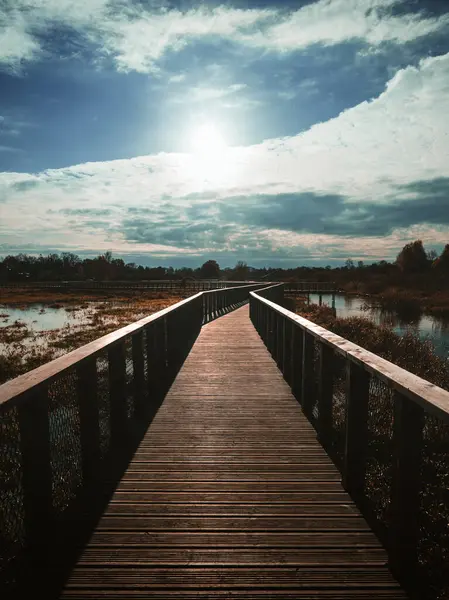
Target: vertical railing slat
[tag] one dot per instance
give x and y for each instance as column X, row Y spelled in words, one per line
column 308, row 377
column 138, row 374
column 36, row 464
column 405, row 501
column 325, row 390
column 356, row 417
column 297, row 350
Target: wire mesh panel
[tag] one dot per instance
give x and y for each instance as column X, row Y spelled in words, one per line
column 130, row 404
column 378, row 482
column 12, row 530
column 433, row 546
column 145, row 365
column 65, row 444
column 316, row 378
column 104, row 407
column 337, row 443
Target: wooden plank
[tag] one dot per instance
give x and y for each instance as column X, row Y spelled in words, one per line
column 281, row 594
column 237, row 539
column 279, row 577
column 144, row 555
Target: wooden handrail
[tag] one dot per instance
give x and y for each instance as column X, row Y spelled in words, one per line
column 432, row 398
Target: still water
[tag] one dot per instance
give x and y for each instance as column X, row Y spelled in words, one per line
column 427, row 327
column 42, row 318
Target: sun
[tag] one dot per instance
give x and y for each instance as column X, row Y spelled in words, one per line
column 207, row 140
column 208, row 160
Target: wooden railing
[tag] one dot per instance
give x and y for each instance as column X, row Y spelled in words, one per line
column 310, row 287
column 386, row 429
column 64, row 422
column 156, row 285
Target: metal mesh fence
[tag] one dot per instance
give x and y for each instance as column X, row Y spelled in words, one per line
column 433, row 547
column 130, row 405
column 65, row 446
column 316, row 380
column 145, row 365
column 104, row 407
column 380, row 449
column 336, row 447
column 12, row 531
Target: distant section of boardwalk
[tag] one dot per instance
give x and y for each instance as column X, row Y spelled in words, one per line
column 230, row 495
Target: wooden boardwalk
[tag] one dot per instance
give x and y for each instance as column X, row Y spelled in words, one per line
column 229, row 495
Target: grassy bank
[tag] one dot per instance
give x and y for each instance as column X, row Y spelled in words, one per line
column 22, row 348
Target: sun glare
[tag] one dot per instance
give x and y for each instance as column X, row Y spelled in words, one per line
column 207, row 140
column 208, row 161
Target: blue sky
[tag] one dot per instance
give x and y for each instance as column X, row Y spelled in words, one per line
column 280, row 133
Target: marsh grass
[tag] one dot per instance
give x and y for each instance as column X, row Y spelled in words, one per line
column 22, row 348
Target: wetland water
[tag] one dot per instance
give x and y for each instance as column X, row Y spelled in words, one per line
column 425, row 326
column 39, row 317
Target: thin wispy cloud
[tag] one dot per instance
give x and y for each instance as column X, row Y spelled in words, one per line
column 136, row 36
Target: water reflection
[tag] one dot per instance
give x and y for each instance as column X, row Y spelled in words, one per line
column 40, row 317
column 403, row 320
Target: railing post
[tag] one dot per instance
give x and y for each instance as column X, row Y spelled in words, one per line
column 288, row 338
column 308, row 379
column 407, row 456
column 297, row 348
column 117, row 392
column 266, row 325
column 89, row 417
column 356, row 442
column 280, row 342
column 139, row 374
column 270, row 330
column 325, row 390
column 275, row 335
column 36, row 464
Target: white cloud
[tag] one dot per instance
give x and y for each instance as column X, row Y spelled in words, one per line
column 136, row 36
column 330, row 22
column 177, row 78
column 204, row 93
column 365, row 154
column 17, row 45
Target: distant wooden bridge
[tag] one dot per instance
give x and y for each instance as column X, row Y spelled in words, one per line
column 172, row 285
column 215, row 450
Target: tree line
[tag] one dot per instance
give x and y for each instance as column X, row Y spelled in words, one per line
column 413, row 263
